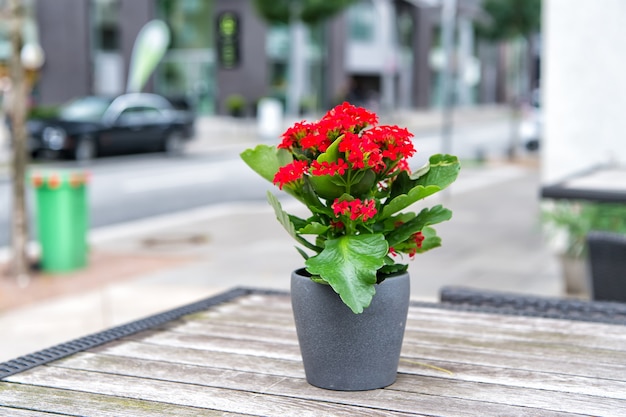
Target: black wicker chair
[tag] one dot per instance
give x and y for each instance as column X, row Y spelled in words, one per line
column 463, row 298
column 607, row 261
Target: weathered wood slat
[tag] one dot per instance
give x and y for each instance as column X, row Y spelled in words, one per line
column 565, row 327
column 539, row 363
column 537, row 398
column 16, row 412
column 288, row 387
column 524, row 349
column 516, row 377
column 223, row 360
column 275, row 301
column 220, row 344
column 540, row 323
column 251, row 318
column 281, row 335
column 234, row 401
column 564, row 334
column 78, row 403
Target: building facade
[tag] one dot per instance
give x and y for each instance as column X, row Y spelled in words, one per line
column 383, row 53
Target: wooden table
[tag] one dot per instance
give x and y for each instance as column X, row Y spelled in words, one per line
column 606, row 185
column 237, row 355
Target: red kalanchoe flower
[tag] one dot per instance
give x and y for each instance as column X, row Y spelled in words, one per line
column 293, row 135
column 316, row 142
column 351, row 118
column 290, row 173
column 394, row 142
column 418, row 239
column 329, row 168
column 355, row 209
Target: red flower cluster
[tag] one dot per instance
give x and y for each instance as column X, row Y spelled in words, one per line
column 362, row 145
column 290, row 173
column 418, row 238
column 355, row 209
column 410, row 246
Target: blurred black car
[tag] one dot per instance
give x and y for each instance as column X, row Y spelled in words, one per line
column 92, row 126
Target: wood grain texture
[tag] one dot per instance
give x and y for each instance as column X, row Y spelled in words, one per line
column 30, row 398
column 242, row 358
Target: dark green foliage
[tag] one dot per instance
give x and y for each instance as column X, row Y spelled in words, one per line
column 508, row 19
column 43, row 112
column 310, row 11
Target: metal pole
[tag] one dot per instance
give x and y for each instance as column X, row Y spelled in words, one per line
column 386, row 12
column 297, row 56
column 448, row 24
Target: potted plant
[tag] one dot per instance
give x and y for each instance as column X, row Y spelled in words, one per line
column 235, row 105
column 567, row 224
column 351, row 298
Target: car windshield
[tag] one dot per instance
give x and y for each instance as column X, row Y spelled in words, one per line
column 85, row 109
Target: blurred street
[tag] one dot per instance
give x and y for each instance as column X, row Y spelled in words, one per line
column 140, row 267
column 132, row 187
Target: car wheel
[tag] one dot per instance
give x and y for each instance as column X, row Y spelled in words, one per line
column 85, row 149
column 174, row 144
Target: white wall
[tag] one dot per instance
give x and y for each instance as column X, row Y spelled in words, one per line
column 583, row 86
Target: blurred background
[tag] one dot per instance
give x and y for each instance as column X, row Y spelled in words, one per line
column 526, row 92
column 389, row 54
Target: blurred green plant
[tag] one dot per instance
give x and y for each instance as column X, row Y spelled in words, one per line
column 310, row 11
column 235, row 104
column 575, row 219
column 507, row 19
column 43, row 112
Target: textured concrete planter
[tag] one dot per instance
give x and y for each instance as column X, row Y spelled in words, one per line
column 346, row 351
column 575, row 276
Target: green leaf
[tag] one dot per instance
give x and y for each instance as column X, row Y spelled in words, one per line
column 403, row 201
column 285, row 219
column 302, row 253
column 426, row 217
column 281, row 216
column 265, row 160
column 431, row 240
column 313, row 228
column 441, row 171
column 308, row 196
column 444, row 169
column 390, row 269
column 349, row 265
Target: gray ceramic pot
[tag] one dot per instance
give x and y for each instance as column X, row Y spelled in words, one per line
column 346, row 351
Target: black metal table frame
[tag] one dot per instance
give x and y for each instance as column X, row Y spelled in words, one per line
column 561, row 191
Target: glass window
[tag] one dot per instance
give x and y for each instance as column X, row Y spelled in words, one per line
column 190, row 21
column 361, row 21
column 187, row 70
column 107, row 32
column 86, row 108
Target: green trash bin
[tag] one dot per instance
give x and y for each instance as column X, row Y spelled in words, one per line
column 61, row 215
